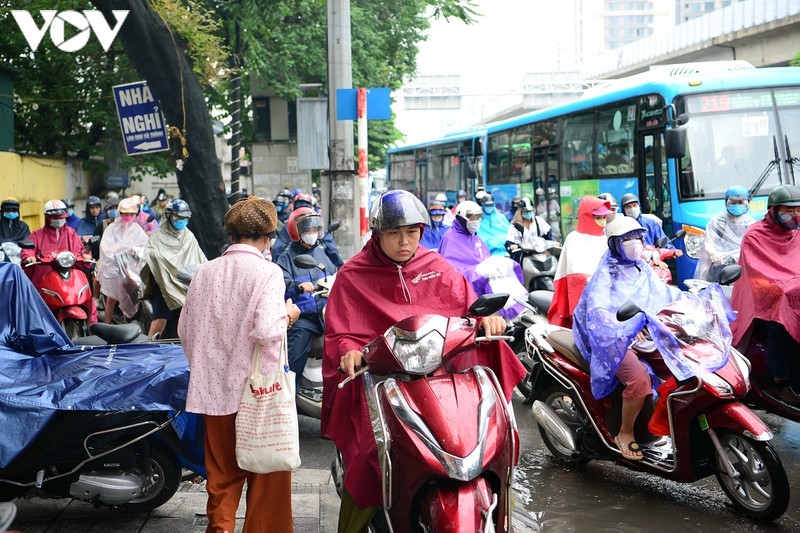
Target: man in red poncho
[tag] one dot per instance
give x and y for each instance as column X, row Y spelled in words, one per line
column 767, row 296
column 579, row 258
column 390, row 279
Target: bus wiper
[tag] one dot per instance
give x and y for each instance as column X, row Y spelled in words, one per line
column 775, row 163
column 793, row 162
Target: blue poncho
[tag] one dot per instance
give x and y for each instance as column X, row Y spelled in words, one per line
column 603, row 340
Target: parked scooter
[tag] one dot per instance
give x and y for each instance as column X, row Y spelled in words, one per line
column 447, row 441
column 66, row 290
column 309, row 394
column 539, row 262
column 710, row 430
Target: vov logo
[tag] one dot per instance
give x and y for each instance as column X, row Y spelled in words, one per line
column 84, row 22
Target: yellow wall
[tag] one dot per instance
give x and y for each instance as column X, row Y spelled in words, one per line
column 32, row 180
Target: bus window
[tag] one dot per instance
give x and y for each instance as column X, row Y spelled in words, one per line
column 497, row 159
column 788, row 102
column 656, row 200
column 578, row 147
column 615, row 139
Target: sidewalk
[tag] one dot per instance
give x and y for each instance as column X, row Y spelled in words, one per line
column 315, row 507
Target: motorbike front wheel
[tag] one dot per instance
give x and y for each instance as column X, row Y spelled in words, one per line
column 160, row 487
column 761, row 491
column 562, row 401
column 74, row 328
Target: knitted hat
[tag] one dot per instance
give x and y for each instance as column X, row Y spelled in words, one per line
column 251, row 216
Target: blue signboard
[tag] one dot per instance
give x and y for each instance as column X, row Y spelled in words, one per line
column 378, row 104
column 143, row 127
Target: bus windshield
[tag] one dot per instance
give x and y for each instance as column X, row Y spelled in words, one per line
column 730, row 139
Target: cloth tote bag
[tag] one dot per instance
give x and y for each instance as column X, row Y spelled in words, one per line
column 267, row 438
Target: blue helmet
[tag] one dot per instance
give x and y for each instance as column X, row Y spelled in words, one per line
column 737, row 191
column 178, row 207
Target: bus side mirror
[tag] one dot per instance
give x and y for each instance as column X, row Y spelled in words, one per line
column 675, row 142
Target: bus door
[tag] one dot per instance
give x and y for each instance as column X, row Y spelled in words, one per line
column 546, row 188
column 654, row 190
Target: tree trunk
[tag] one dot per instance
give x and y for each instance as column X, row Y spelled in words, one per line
column 164, row 65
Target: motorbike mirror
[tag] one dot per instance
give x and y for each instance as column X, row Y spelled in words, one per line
column 488, row 304
column 333, row 227
column 662, row 242
column 27, row 244
column 519, row 227
column 555, row 251
column 305, row 261
column 729, row 274
column 627, row 311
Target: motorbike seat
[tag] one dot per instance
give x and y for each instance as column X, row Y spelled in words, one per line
column 116, row 333
column 541, row 301
column 564, row 342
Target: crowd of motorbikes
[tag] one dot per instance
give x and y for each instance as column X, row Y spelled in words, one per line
column 447, row 442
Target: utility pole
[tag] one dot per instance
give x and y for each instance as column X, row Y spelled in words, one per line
column 340, row 189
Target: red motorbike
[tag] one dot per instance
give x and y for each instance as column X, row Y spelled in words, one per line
column 66, row 291
column 448, row 442
column 708, row 430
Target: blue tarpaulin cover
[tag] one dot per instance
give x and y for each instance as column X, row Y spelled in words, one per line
column 41, row 371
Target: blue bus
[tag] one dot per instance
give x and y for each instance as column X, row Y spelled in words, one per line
column 676, row 136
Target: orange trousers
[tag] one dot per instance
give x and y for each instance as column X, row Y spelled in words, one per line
column 269, row 496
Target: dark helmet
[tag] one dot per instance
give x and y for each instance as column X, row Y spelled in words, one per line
column 303, row 220
column 628, row 198
column 788, row 195
column 515, row 201
column 396, row 208
column 93, row 200
column 10, row 202
column 68, row 202
column 178, row 207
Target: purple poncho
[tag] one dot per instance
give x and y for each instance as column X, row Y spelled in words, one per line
column 603, row 340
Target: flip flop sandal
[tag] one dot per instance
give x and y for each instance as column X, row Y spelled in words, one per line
column 633, row 447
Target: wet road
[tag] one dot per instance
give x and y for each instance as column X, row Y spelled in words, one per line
column 603, row 496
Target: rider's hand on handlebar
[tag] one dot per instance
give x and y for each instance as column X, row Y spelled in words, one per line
column 351, row 361
column 31, row 259
column 678, row 253
column 306, row 286
column 493, row 325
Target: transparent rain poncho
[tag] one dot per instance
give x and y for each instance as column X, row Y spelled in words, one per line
column 722, row 243
column 120, row 263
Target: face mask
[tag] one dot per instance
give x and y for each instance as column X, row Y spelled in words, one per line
column 309, row 238
column 11, row 215
column 601, row 222
column 70, row 212
column 126, row 218
column 633, row 212
column 527, row 216
column 58, row 223
column 473, row 225
column 737, row 210
column 789, row 222
column 633, row 249
column 488, row 209
column 278, row 208
column 112, row 213
column 180, row 224
column 437, row 218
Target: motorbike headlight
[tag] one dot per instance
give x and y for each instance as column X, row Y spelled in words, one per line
column 420, row 356
column 65, row 259
column 693, row 241
column 722, row 387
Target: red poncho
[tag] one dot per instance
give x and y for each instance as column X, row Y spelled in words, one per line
column 769, row 288
column 48, row 240
column 371, row 294
column 579, row 258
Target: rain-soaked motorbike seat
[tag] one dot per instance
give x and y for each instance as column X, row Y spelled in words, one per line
column 541, row 300
column 564, row 342
column 116, row 333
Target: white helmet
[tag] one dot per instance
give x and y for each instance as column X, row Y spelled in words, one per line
column 622, row 225
column 55, row 208
column 468, row 207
